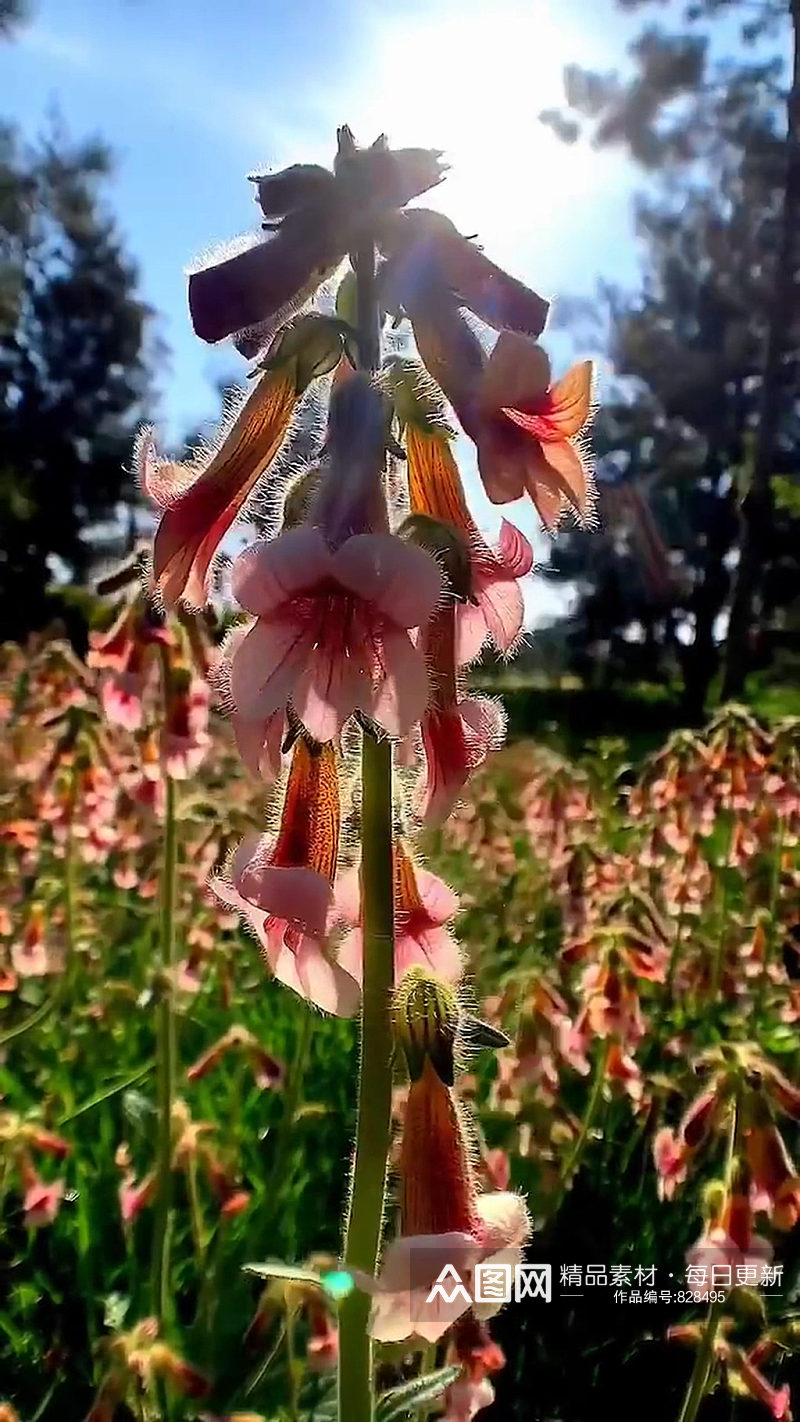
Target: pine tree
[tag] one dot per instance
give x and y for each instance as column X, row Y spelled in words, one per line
column 73, row 369
column 715, row 369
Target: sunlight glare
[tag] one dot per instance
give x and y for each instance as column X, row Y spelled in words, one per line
column 476, row 80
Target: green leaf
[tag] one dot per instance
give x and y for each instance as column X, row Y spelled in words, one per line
column 276, row 1269
column 411, row 1396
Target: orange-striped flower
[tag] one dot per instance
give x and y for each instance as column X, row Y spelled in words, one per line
column 201, row 498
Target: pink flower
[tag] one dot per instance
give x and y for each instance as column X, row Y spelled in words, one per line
column 332, row 630
column 524, row 429
column 184, row 739
column 283, row 886
column 464, row 1399
column 458, row 732
column 671, row 1162
column 323, row 1342
column 123, row 653
column 498, row 1168
column 41, row 1201
column 133, row 1196
column 497, row 608
column 121, row 700
column 444, row 1221
column 776, row 1400
column 728, row 1252
column 413, row 1263
column 423, row 906
column 31, row 958
column 201, row 499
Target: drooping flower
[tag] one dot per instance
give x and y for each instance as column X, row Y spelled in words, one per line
column 423, row 906
column 495, row 606
column 314, row 218
column 31, row 957
column 752, row 1383
column 425, row 248
column 332, row 630
column 523, row 428
column 728, row 1250
column 673, row 1150
column 185, row 741
column 322, row 1350
column 471, row 1345
column 458, row 732
column 124, row 654
column 775, row 1186
column 268, row 1071
column 202, row 498
column 42, row 1199
column 335, row 598
column 444, row 1222
column 283, row 884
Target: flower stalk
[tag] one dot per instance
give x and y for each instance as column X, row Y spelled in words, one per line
column 704, row 1360
column 166, row 1053
column 365, row 1219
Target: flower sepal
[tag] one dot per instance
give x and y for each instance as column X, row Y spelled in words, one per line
column 426, row 1018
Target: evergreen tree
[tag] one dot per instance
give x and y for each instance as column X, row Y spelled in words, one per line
column 710, row 363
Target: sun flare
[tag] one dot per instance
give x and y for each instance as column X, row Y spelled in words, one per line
column 481, row 76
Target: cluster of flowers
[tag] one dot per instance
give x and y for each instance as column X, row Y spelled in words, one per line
column 373, row 595
column 654, row 914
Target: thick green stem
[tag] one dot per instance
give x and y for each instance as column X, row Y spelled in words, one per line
column 375, row 1079
column 166, row 1053
column 365, row 1218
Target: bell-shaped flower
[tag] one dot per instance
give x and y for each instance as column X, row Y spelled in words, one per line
column 728, row 1252
column 446, row 1227
column 458, row 732
column 424, row 247
column 314, row 218
column 524, row 428
column 335, row 601
column 423, row 907
column 283, row 884
column 202, row 497
column 494, row 607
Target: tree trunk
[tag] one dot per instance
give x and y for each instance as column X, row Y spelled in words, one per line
column 757, row 505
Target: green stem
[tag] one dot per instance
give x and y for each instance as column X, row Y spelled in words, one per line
column 365, row 1216
column 770, row 927
column 291, row 1368
column 279, row 1182
column 574, row 1158
column 375, row 1079
column 704, row 1361
column 703, row 1364
column 722, row 942
column 166, row 1052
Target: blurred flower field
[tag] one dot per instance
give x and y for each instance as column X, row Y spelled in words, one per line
column 634, row 929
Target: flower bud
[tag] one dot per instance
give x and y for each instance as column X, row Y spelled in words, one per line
column 425, row 1023
column 714, row 1196
column 447, row 545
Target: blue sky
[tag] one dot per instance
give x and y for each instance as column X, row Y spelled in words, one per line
column 193, row 94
